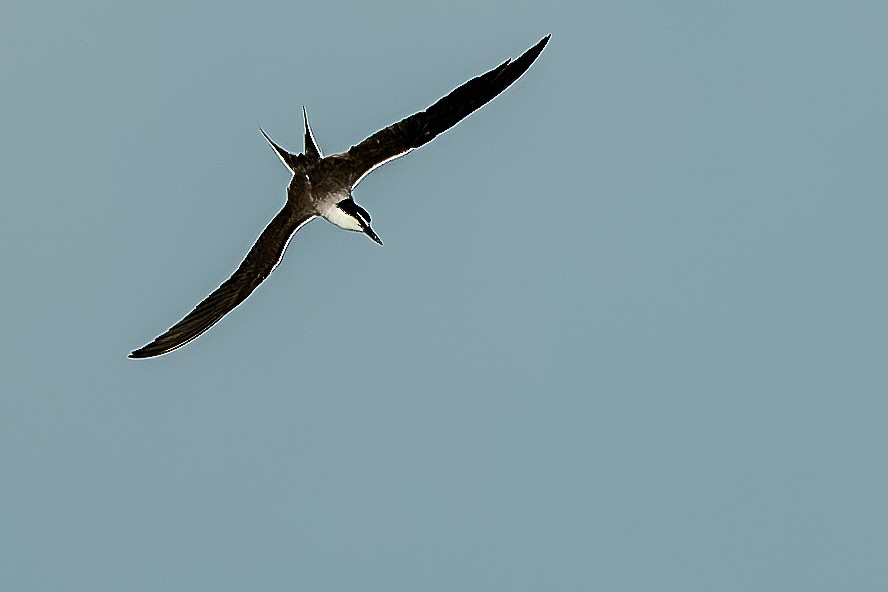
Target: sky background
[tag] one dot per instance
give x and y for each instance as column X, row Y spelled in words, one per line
column 627, row 331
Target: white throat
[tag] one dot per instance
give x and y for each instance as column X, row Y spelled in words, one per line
column 340, row 218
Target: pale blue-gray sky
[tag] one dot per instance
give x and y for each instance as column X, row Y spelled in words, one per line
column 627, row 332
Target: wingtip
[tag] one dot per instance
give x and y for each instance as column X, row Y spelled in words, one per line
column 541, row 44
column 146, row 351
column 524, row 61
column 151, row 352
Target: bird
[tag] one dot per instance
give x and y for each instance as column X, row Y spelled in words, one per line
column 321, row 186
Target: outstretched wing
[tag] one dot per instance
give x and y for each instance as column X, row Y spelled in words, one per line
column 260, row 261
column 400, row 138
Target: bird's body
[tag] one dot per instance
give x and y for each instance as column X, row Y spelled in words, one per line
column 322, row 187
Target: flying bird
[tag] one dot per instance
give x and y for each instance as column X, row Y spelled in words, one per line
column 322, row 186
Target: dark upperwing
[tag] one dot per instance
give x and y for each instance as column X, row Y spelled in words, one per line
column 263, row 257
column 400, row 138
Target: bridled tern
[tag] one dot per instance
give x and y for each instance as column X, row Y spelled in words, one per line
column 322, row 186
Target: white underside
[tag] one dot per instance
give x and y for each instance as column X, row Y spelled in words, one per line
column 340, row 218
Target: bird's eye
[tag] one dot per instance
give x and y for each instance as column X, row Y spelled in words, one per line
column 352, row 209
column 363, row 213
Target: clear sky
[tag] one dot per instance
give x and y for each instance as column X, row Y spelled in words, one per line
column 627, row 331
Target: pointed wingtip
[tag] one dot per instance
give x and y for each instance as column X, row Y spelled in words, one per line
column 538, row 48
column 532, row 53
column 146, row 351
column 143, row 353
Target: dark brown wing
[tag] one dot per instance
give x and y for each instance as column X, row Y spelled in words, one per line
column 414, row 131
column 260, row 261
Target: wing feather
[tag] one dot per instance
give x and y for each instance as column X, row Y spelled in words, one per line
column 263, row 257
column 412, row 132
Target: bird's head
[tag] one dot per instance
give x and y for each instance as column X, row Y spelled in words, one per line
column 350, row 216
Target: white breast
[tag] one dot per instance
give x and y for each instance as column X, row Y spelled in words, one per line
column 340, row 218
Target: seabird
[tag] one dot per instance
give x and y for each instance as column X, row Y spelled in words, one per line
column 322, row 186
